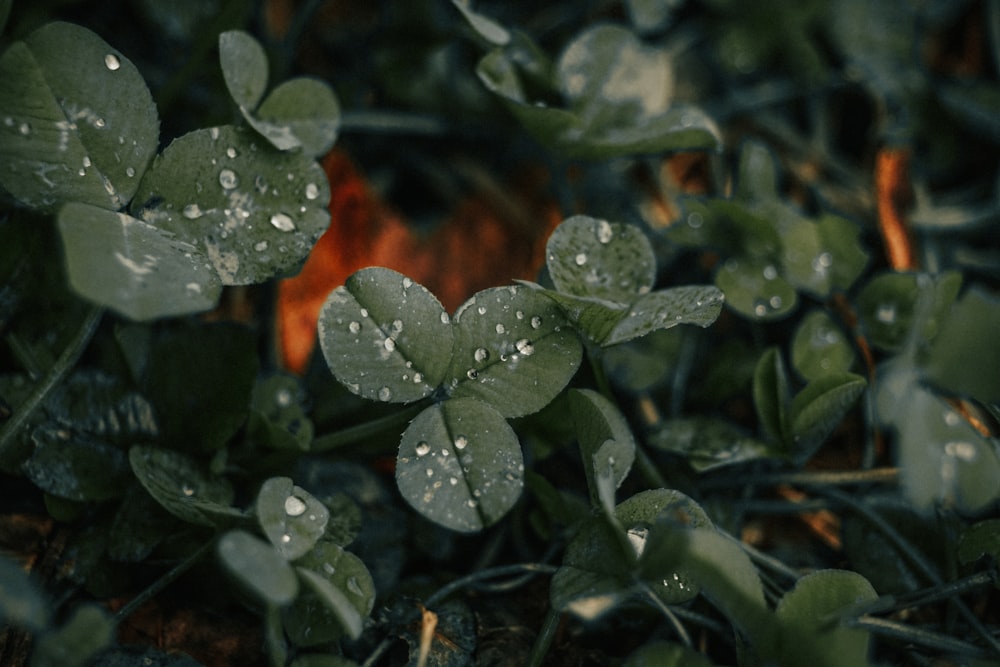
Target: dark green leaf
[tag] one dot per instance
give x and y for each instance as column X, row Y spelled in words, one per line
column 183, row 487
column 757, row 173
column 819, row 347
column 810, row 632
column 253, row 211
column 244, row 68
column 819, row 408
column 200, row 380
column 978, row 540
column 290, row 517
column 385, row 337
column 690, row 304
column 707, row 442
column 755, row 289
column 823, row 256
column 311, row 620
column 87, row 631
column 301, row 113
column 771, row 396
column 513, row 350
column 460, row 465
column 606, row 443
column 892, row 305
column 595, row 318
column 258, row 567
column 21, row 601
column 485, row 27
column 665, row 654
column 76, row 467
column 80, row 122
column 277, row 417
column 966, row 348
column 597, row 573
column 133, row 267
column 335, row 600
column 139, row 526
column 596, row 258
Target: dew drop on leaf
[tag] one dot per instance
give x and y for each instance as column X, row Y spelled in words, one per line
column 472, row 373
column 354, row 327
column 112, row 62
column 461, row 442
column 423, row 448
column 481, row 310
column 389, row 344
column 481, row 354
column 384, row 394
column 525, row 347
column 770, row 273
column 580, row 259
column 500, row 328
column 260, row 246
column 228, row 179
column 282, row 222
column 312, row 191
column 294, row 506
column 192, row 212
column 536, row 322
column 604, row 231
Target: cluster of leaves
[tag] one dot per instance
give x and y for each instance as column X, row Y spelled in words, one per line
column 176, row 439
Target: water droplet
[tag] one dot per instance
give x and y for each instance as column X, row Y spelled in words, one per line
column 228, row 179
column 294, row 506
column 130, row 172
column 604, row 231
column 389, row 344
column 364, row 312
column 418, row 378
column 770, row 273
column 187, row 490
column 637, row 538
column 24, row 128
column 951, row 418
column 695, row 220
column 282, row 222
column 286, row 538
column 519, row 314
column 886, row 313
column 759, row 308
column 112, row 62
column 407, row 283
column 525, row 347
column 775, row 302
column 481, row 310
column 312, row 191
column 429, row 472
column 453, row 481
column 384, row 394
column 580, row 259
column 354, row 587
column 500, row 328
column 100, row 123
column 461, row 442
column 231, row 152
column 214, row 133
column 481, row 354
column 192, row 211
column 471, row 503
column 354, row 327
column 329, row 569
column 260, row 183
column 964, row 451
column 536, row 322
column 472, row 373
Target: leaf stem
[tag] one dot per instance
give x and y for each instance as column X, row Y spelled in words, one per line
column 63, row 365
column 501, row 571
column 359, row 432
column 815, row 479
column 544, row 639
column 675, row 622
column 162, row 582
column 914, row 635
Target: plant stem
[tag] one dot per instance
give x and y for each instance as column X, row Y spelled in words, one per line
column 544, row 639
column 162, row 582
column 502, row 571
column 359, row 432
column 63, row 365
column 914, row 635
column 818, row 479
column 675, row 622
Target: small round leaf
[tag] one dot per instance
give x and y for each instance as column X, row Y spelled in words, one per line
column 820, row 347
column 690, row 304
column 258, row 567
column 513, row 350
column 385, row 337
column 300, row 113
column 76, row 467
column 290, row 516
column 460, row 465
column 244, row 67
column 754, row 288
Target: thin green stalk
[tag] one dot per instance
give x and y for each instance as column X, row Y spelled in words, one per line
column 361, row 432
column 162, row 582
column 63, row 365
column 445, row 591
column 675, row 622
column 545, row 637
column 817, row 479
column 919, row 636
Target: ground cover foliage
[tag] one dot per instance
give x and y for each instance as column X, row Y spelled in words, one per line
column 639, row 332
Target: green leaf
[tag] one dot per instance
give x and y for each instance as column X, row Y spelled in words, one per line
column 253, row 211
column 80, row 124
column 665, row 654
column 200, row 380
column 707, row 442
column 335, row 600
column 596, row 258
column 290, row 517
column 595, row 318
column 22, row 602
column 183, row 487
column 689, row 304
column 258, row 567
column 460, row 465
column 485, row 27
column 978, row 540
column 513, row 350
column 810, row 633
column 966, row 347
column 300, row 113
column 139, row 526
column 892, row 305
column 133, row 267
column 87, row 631
column 771, row 396
column 385, row 337
column 598, row 573
column 277, row 416
column 755, row 289
column 311, row 620
column 823, row 256
column 819, row 347
column 244, row 68
column 757, row 173
column 819, row 408
column 76, row 467
column 606, row 443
